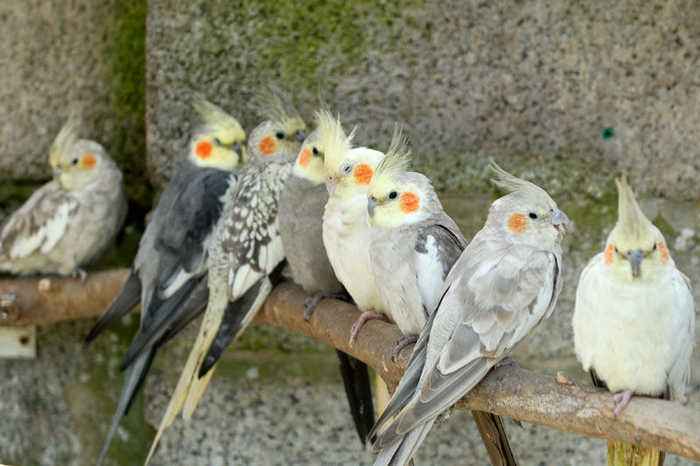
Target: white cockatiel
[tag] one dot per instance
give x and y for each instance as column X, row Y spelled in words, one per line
column 414, row 246
column 346, row 231
column 504, row 284
column 634, row 321
column 67, row 223
column 244, row 251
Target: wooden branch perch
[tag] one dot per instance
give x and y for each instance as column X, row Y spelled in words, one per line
column 507, row 391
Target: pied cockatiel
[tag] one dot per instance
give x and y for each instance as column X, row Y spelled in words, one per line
column 244, row 251
column 67, row 223
column 505, row 282
column 171, row 260
column 634, row 320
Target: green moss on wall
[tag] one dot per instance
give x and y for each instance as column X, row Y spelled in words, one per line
column 126, row 57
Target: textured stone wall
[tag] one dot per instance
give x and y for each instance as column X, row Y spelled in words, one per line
column 566, row 93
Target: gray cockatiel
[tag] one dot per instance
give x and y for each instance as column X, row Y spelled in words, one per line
column 634, row 320
column 414, row 246
column 504, row 283
column 171, row 260
column 67, row 223
column 300, row 224
column 245, row 250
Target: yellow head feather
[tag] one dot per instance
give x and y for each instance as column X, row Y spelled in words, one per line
column 397, row 159
column 632, row 224
column 277, row 107
column 64, row 141
column 332, row 138
column 216, row 120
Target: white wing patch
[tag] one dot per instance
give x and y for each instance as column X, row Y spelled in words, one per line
column 47, row 235
column 176, row 282
column 430, row 274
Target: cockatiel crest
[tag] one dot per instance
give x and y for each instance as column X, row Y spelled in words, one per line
column 219, row 142
column 527, row 214
column 635, row 247
column 77, row 162
column 284, row 129
column 349, row 170
column 65, row 139
column 397, row 196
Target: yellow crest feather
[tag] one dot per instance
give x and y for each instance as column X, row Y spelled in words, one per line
column 332, row 138
column 631, row 221
column 397, row 158
column 214, row 117
column 275, row 106
column 65, row 139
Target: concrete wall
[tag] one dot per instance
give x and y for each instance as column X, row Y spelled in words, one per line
column 565, row 93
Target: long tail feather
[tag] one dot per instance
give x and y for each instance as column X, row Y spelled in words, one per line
column 126, row 300
column 358, row 390
column 133, row 381
column 400, row 452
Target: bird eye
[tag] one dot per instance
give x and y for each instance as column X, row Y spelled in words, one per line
column 217, row 141
column 280, row 135
column 533, row 215
column 315, row 151
column 393, row 195
column 74, row 162
column 617, row 251
column 654, row 247
column 347, row 168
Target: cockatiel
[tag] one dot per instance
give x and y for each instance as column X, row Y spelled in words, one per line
column 67, row 223
column 504, row 283
column 300, row 224
column 634, row 320
column 346, row 231
column 245, row 250
column 413, row 247
column 171, row 260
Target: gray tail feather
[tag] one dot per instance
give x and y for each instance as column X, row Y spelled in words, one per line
column 126, row 300
column 133, row 382
column 400, row 452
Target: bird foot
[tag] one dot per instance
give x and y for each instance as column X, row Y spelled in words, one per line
column 400, row 344
column 361, row 321
column 622, row 399
column 311, row 302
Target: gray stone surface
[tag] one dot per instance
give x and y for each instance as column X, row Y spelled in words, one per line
column 60, row 57
column 470, row 79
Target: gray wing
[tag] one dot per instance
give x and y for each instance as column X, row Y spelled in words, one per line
column 39, row 224
column 493, row 297
column 679, row 374
column 438, row 246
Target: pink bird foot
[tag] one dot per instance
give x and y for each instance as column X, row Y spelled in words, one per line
column 621, row 401
column 361, row 321
column 401, row 343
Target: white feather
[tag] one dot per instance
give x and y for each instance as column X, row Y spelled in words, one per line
column 429, row 273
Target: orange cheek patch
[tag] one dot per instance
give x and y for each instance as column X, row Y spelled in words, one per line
column 305, row 157
column 517, row 223
column 89, row 161
column 203, row 149
column 267, row 145
column 663, row 250
column 409, row 202
column 608, row 254
column 363, row 174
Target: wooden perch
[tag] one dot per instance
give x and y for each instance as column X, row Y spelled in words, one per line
column 507, row 391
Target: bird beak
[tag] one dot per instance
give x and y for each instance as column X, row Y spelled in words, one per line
column 300, row 136
column 635, row 259
column 330, row 184
column 371, row 204
column 560, row 221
